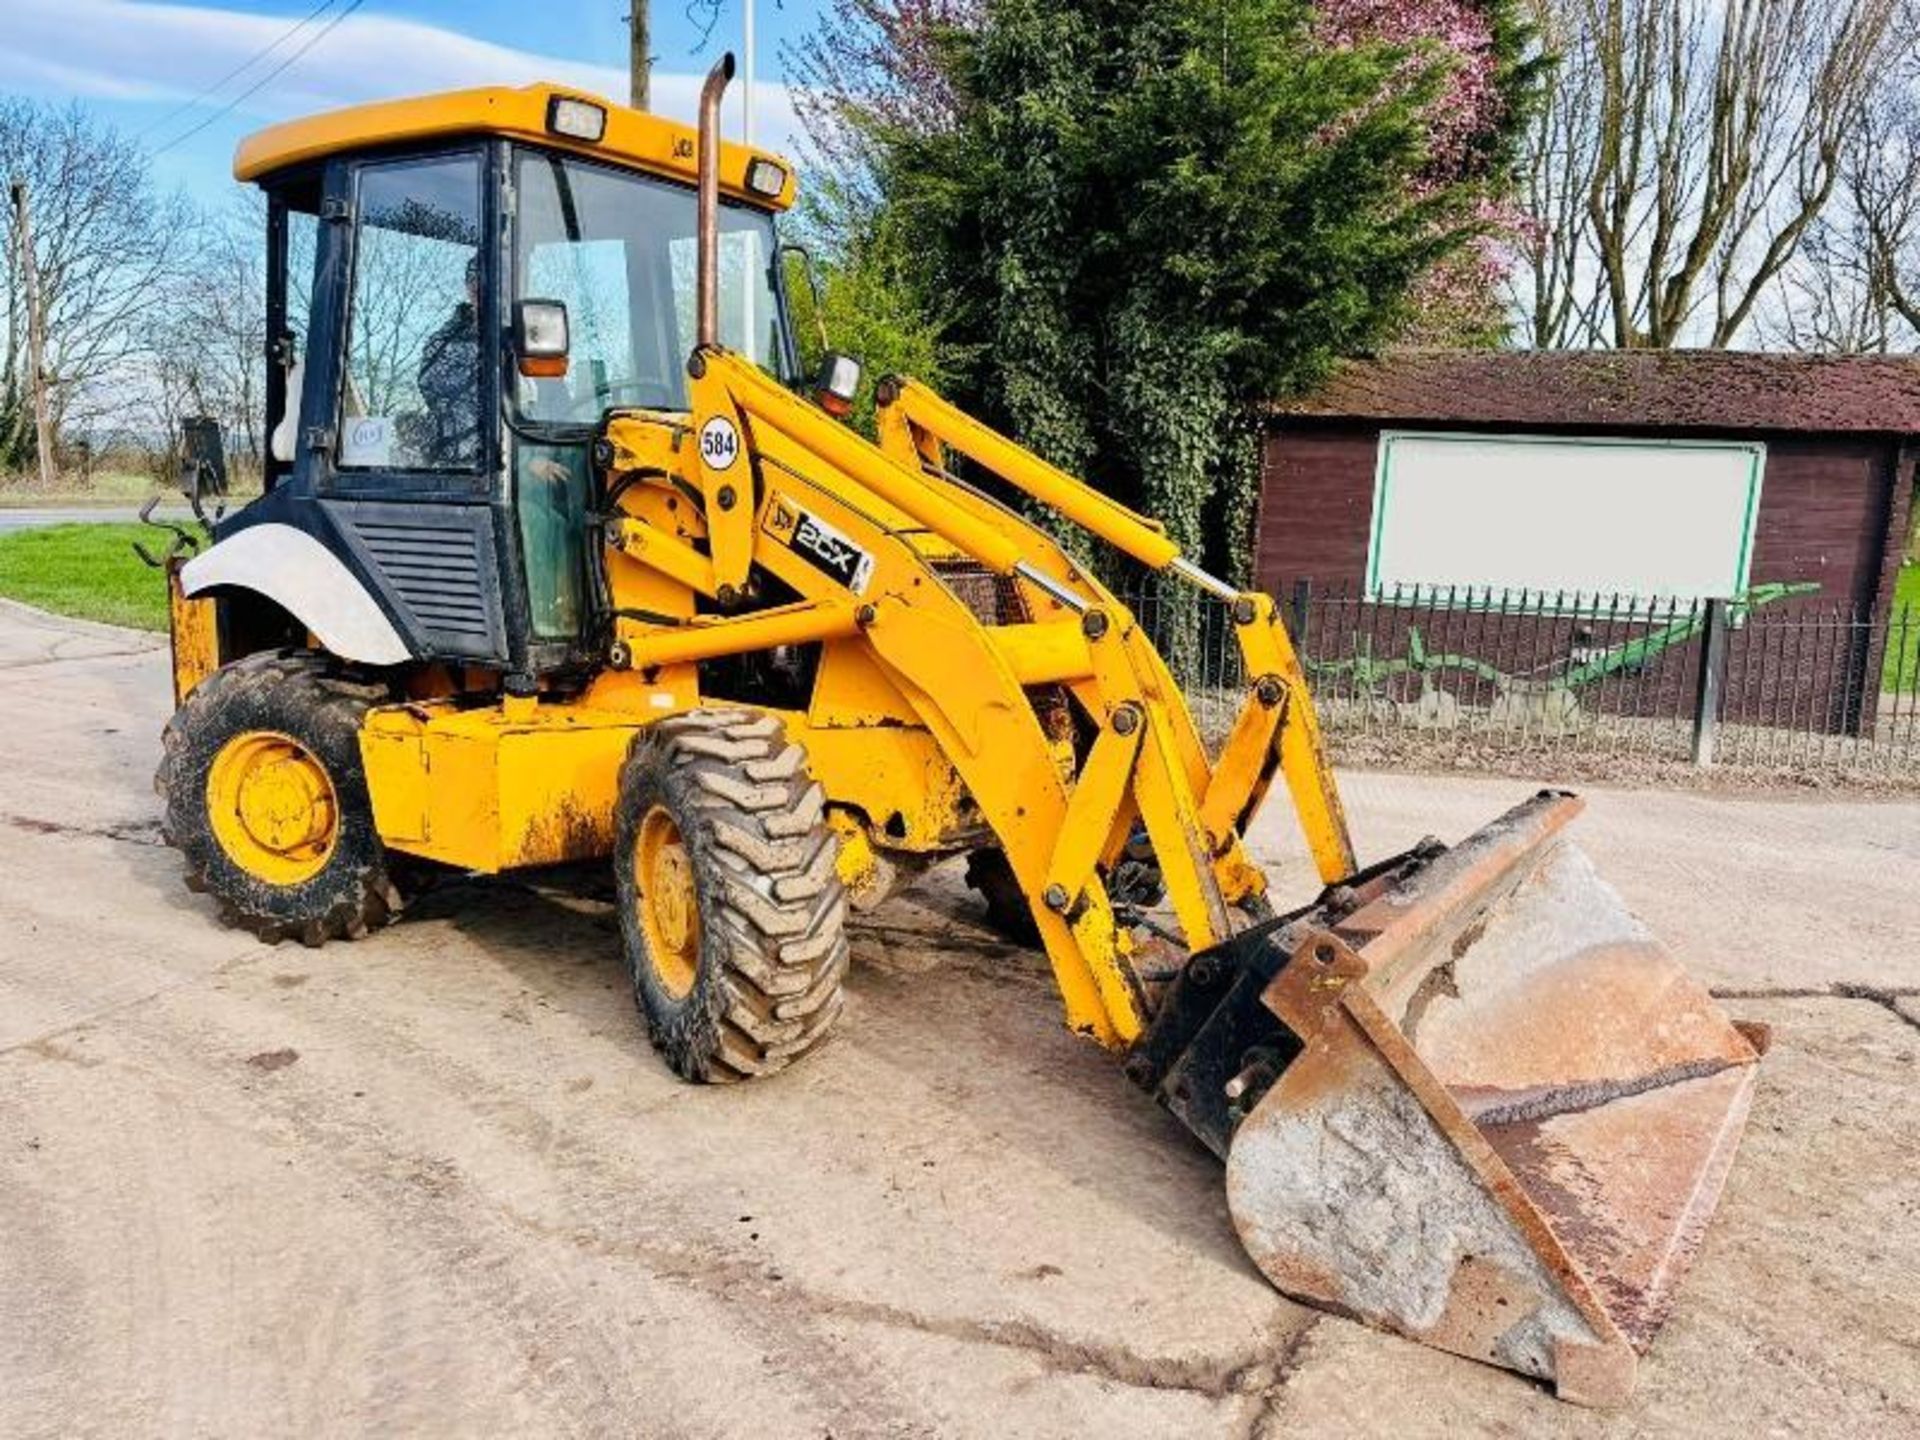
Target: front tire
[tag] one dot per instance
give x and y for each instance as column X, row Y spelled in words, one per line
column 266, row 800
column 731, row 909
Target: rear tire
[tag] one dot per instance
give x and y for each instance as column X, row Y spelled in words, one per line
column 731, row 909
column 250, row 743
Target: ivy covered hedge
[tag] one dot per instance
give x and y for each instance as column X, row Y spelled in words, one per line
column 1118, row 229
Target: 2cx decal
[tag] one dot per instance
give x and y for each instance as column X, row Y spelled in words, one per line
column 830, row 551
column 719, row 443
column 819, row 544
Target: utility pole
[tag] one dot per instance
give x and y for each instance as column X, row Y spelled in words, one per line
column 639, row 62
column 746, row 90
column 36, row 333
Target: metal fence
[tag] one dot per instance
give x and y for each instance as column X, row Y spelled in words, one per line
column 1780, row 679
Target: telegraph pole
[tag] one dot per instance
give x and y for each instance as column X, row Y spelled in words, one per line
column 36, row 333
column 639, row 62
column 746, row 90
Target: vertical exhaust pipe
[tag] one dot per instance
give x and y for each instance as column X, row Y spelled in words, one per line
column 707, row 281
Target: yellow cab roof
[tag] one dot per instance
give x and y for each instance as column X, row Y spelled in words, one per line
column 633, row 138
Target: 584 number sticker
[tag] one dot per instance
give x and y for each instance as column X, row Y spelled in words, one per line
column 719, row 443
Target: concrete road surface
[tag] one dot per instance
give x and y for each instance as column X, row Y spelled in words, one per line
column 436, row 1183
column 30, row 518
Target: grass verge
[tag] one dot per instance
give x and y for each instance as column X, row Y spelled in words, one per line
column 1901, row 673
column 88, row 571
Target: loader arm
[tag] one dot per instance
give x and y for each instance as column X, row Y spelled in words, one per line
column 773, row 470
column 1277, row 723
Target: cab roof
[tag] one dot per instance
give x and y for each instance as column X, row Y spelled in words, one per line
column 633, row 138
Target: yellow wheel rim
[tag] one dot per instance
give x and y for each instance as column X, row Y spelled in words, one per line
column 667, row 904
column 273, row 807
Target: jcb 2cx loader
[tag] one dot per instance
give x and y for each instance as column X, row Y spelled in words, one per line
column 551, row 566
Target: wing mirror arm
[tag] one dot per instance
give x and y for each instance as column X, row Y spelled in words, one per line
column 838, row 380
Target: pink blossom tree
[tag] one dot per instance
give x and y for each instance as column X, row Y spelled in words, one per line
column 1468, row 125
column 875, row 66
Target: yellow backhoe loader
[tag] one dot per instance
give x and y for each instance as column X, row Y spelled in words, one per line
column 556, row 562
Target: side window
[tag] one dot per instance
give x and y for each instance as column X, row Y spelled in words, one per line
column 303, row 241
column 410, row 395
column 298, row 235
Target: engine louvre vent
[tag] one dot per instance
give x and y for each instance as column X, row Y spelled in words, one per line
column 437, row 574
column 436, row 563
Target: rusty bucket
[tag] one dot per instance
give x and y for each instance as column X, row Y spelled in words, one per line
column 1469, row 1098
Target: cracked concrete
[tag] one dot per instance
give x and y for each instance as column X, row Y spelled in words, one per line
column 1903, row 1002
column 436, row 1183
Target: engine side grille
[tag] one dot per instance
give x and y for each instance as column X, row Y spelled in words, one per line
column 993, row 599
column 437, row 574
column 436, row 563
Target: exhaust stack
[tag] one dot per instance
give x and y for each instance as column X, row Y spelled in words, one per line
column 707, row 281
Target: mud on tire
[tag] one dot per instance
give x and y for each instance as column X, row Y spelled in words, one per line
column 301, row 696
column 771, row 943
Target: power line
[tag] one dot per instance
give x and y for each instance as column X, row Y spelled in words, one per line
column 240, row 69
column 265, row 79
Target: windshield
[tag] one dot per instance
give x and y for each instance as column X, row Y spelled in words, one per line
column 620, row 251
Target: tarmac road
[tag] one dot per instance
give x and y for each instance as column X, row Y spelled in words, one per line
column 29, row 519
column 436, row 1183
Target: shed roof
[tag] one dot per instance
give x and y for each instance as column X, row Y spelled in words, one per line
column 1626, row 389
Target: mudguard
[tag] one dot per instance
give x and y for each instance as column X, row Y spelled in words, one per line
column 305, row 579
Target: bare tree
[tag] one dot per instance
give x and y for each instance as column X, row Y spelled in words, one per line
column 209, row 344
column 1860, row 290
column 1686, row 151
column 108, row 251
column 1557, row 302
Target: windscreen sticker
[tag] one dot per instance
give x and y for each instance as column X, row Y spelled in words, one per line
column 820, row 545
column 367, row 440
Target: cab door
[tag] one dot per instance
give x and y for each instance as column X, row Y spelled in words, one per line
column 405, row 464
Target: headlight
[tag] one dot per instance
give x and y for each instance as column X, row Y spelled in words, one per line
column 766, row 178
column 576, row 119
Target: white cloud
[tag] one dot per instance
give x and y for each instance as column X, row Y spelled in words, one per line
column 118, row 50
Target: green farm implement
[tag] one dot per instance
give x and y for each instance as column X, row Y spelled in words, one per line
column 1424, row 687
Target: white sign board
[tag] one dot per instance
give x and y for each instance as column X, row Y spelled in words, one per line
column 1480, row 515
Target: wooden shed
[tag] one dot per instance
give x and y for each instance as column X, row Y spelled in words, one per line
column 1680, row 476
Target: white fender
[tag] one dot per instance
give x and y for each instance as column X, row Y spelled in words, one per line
column 303, row 577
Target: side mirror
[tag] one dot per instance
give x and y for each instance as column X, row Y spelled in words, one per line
column 839, row 382
column 540, row 339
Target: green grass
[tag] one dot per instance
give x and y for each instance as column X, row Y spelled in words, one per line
column 89, row 571
column 1902, row 670
column 107, row 487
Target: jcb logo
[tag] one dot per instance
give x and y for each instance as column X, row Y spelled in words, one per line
column 781, row 519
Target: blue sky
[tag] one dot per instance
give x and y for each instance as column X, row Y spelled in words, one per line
column 137, row 62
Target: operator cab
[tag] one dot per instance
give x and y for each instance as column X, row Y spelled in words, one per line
column 460, row 288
